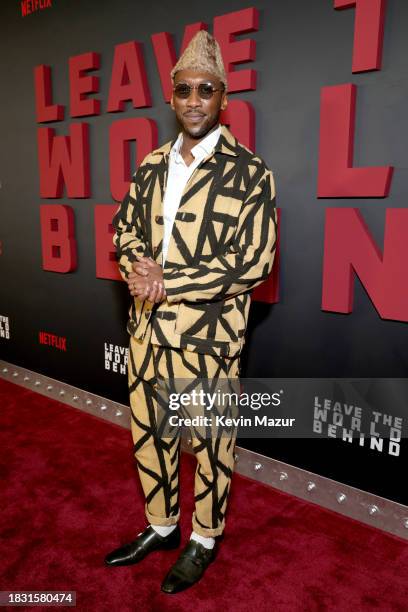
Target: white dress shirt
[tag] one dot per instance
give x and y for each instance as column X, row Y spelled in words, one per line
column 178, row 175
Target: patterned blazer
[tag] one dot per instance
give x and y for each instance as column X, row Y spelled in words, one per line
column 222, row 245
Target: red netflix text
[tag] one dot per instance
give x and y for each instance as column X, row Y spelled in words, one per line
column 59, row 342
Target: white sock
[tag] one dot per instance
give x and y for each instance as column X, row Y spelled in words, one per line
column 164, row 530
column 206, row 542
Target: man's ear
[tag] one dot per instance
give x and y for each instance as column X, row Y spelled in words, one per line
column 224, row 102
column 172, row 102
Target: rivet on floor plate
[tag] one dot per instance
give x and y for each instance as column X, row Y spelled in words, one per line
column 283, row 476
column 75, row 398
column 37, row 383
column 258, row 466
column 88, row 402
column 5, row 370
column 118, row 413
column 26, row 378
column 62, row 392
column 104, row 407
column 310, row 486
column 341, row 497
column 15, row 374
column 373, row 510
column 49, row 388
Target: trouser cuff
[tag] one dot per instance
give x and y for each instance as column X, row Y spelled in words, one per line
column 206, row 532
column 161, row 521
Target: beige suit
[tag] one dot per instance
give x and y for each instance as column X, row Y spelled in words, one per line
column 222, row 246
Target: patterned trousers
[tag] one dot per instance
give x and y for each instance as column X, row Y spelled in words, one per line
column 157, row 457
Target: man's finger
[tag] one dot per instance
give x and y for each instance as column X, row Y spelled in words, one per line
column 141, row 269
column 132, row 287
column 144, row 259
column 136, row 291
column 160, row 293
column 139, row 288
column 136, row 284
column 157, row 298
column 153, row 292
column 132, row 277
column 141, row 264
column 140, row 293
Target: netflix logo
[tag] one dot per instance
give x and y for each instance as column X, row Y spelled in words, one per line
column 31, row 6
column 4, row 327
column 59, row 342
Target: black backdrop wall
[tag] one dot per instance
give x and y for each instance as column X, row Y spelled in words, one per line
column 301, row 47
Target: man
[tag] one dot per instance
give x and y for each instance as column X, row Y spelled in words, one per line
column 194, row 235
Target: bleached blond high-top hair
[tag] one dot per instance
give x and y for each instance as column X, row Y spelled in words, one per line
column 202, row 54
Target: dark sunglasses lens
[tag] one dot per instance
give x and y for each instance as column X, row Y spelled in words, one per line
column 205, row 91
column 182, row 90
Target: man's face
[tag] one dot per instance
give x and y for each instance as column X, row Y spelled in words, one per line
column 197, row 115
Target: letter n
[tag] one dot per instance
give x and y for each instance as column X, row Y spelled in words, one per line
column 350, row 249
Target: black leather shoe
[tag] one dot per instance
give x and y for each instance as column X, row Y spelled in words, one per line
column 147, row 541
column 189, row 567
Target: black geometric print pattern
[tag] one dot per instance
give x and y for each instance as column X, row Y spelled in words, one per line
column 157, row 456
column 222, row 246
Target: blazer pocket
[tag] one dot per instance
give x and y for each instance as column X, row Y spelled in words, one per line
column 209, row 321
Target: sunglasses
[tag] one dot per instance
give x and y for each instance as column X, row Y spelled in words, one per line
column 205, row 90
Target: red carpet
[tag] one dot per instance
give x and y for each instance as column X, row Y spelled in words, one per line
column 70, row 494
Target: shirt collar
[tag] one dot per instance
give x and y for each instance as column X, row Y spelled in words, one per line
column 203, row 148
